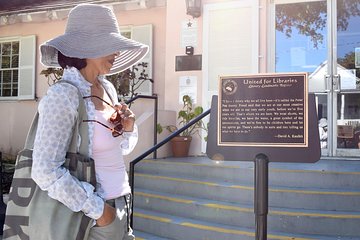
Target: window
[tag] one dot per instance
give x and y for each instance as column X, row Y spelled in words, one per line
column 9, row 68
column 143, row 34
column 17, row 68
column 297, row 48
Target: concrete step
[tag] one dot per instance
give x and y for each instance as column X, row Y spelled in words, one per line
column 323, row 199
column 197, row 198
column 147, row 236
column 279, row 219
column 178, row 228
column 323, row 174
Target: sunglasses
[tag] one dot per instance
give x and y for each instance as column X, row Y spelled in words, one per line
column 116, row 131
column 114, row 119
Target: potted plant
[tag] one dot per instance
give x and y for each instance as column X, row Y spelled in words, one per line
column 180, row 144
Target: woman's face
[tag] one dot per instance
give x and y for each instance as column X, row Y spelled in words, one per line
column 103, row 64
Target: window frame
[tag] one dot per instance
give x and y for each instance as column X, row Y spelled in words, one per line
column 10, row 68
column 26, row 67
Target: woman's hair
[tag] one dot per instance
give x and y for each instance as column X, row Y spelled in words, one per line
column 65, row 61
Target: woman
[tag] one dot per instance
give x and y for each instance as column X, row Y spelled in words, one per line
column 91, row 47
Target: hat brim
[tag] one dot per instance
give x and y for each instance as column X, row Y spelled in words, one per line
column 73, row 45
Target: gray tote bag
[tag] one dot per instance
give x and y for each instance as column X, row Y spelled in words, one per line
column 31, row 213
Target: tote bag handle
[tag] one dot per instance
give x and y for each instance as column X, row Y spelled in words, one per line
column 79, row 127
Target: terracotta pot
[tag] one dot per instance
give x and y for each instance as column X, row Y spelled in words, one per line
column 180, row 146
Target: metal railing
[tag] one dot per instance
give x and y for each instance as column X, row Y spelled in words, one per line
column 2, row 204
column 145, row 154
column 153, row 149
column 155, row 97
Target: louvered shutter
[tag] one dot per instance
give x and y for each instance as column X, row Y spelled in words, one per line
column 143, row 34
column 27, row 67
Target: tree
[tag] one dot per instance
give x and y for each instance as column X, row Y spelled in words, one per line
column 348, row 62
column 310, row 18
column 52, row 74
column 126, row 82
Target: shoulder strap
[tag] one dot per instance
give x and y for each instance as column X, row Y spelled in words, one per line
column 78, row 128
column 29, row 143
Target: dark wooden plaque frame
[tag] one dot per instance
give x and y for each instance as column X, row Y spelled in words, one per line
column 308, row 154
column 307, row 151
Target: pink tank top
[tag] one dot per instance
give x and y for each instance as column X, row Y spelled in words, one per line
column 111, row 175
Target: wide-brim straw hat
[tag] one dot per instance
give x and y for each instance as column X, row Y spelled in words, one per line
column 92, row 31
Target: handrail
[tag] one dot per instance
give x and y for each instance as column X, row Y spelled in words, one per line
column 1, row 180
column 154, row 148
column 2, row 204
column 155, row 97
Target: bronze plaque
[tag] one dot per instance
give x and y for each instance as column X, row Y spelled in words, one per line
column 267, row 110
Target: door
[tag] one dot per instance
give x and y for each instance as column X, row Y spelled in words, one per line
column 347, row 77
column 230, row 47
column 320, row 37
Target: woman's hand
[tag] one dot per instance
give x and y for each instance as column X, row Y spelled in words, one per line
column 127, row 117
column 107, row 217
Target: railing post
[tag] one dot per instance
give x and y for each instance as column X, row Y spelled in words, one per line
column 155, row 124
column 1, row 178
column 261, row 195
column 2, row 204
column 131, row 182
column 154, row 148
column 154, row 97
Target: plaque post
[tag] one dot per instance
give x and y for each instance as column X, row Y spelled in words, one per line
column 261, row 191
column 271, row 117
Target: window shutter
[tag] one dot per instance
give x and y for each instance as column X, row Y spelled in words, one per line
column 27, row 67
column 143, row 34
